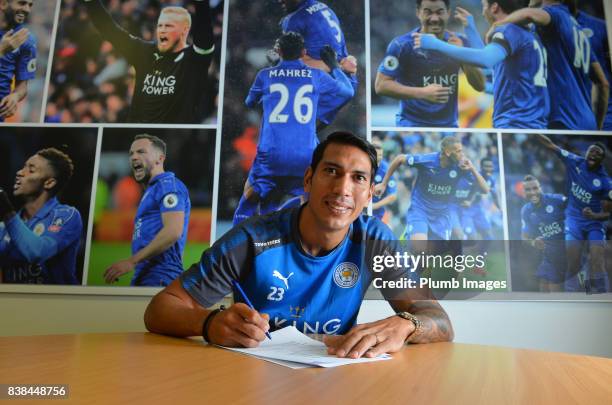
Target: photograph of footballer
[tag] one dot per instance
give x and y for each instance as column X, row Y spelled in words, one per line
column 529, row 70
column 136, row 62
column 559, row 194
column 286, row 87
column 153, row 205
column 25, row 32
column 45, row 192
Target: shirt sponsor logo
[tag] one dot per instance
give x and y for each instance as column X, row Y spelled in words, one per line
column 581, row 194
column 346, row 275
column 444, row 80
column 550, row 230
column 158, row 85
column 329, row 327
column 437, row 189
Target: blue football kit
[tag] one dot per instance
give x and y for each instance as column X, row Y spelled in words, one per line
column 165, row 193
column 316, row 294
column 42, row 249
column 585, row 188
column 546, row 221
column 320, row 26
column 473, row 218
column 421, row 68
column 391, row 189
column 435, row 186
column 19, row 65
column 569, row 61
column 595, row 29
column 290, row 93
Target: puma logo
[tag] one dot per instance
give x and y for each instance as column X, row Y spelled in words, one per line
column 285, row 280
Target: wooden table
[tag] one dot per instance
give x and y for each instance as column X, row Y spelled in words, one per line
column 147, row 368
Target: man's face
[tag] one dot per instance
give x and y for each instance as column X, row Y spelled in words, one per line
column 455, row 152
column 533, row 191
column 486, row 12
column 433, row 16
column 594, row 156
column 487, row 167
column 35, row 176
column 289, row 6
column 17, row 11
column 170, row 33
column 379, row 151
column 144, row 157
column 340, row 187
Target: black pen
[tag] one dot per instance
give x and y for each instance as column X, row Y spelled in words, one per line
column 247, row 300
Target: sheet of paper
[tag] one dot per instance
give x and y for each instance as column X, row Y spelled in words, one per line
column 288, row 344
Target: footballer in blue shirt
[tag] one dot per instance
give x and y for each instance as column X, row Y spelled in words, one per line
column 290, row 93
column 519, row 60
column 543, row 227
column 426, row 82
column 160, row 226
column 380, row 203
column 307, row 267
column 428, row 217
column 319, row 25
column 588, row 186
column 572, row 66
column 39, row 243
column 17, row 55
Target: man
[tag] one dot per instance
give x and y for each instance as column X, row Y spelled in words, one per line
column 425, row 82
column 160, row 226
column 428, row 217
column 473, row 215
column 18, row 58
column 290, row 93
column 595, row 29
column 520, row 94
column 319, row 26
column 379, row 203
column 588, row 186
column 170, row 75
column 39, row 243
column 572, row 66
column 319, row 252
column 542, row 219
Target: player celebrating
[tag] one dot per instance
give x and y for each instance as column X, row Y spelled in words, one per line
column 588, row 185
column 571, row 65
column 379, row 204
column 320, row 27
column 18, row 58
column 543, row 219
column 39, row 243
column 290, row 93
column 428, row 217
column 160, row 226
column 425, row 82
column 519, row 60
column 170, row 75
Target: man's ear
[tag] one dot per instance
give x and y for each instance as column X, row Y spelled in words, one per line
column 49, row 183
column 308, row 179
column 371, row 191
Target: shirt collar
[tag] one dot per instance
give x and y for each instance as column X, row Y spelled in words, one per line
column 44, row 210
column 159, row 177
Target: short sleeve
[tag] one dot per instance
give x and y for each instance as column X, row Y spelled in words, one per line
column 26, row 65
column 171, row 197
column 504, row 36
column 391, row 63
column 290, row 24
column 256, row 91
column 526, row 226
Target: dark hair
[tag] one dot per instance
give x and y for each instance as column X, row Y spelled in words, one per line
column 62, row 167
column 529, row 177
column 572, row 6
column 485, row 159
column 290, row 45
column 419, row 2
column 345, row 138
column 601, row 146
column 157, row 142
column 508, row 6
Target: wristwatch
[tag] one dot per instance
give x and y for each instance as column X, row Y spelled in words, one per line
column 418, row 325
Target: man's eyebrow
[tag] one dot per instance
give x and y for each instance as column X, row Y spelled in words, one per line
column 334, row 164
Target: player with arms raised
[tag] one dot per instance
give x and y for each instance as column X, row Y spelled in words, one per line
column 170, row 75
column 290, row 93
column 426, row 83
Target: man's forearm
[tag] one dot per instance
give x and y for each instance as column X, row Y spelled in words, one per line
column 21, row 90
column 436, row 327
column 203, row 37
column 601, row 93
column 393, row 89
column 475, row 77
column 164, row 239
column 482, row 183
column 169, row 315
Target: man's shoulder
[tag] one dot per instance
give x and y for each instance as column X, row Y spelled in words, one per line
column 62, row 215
column 405, row 41
column 369, row 228
column 169, row 183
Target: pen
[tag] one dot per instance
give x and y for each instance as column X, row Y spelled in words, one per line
column 247, row 300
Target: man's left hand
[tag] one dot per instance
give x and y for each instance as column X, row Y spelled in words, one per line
column 117, row 270
column 8, row 105
column 371, row 339
column 6, row 208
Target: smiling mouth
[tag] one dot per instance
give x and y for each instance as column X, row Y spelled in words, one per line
column 338, row 207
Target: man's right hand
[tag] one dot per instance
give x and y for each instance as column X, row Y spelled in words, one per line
column 238, row 326
column 6, row 208
column 12, row 40
column 435, row 93
column 328, row 56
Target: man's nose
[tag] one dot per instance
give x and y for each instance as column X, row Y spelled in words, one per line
column 343, row 185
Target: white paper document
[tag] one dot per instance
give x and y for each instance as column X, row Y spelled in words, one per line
column 293, row 349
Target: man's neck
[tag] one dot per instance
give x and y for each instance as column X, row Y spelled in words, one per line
column 33, row 205
column 153, row 176
column 444, row 160
column 316, row 241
